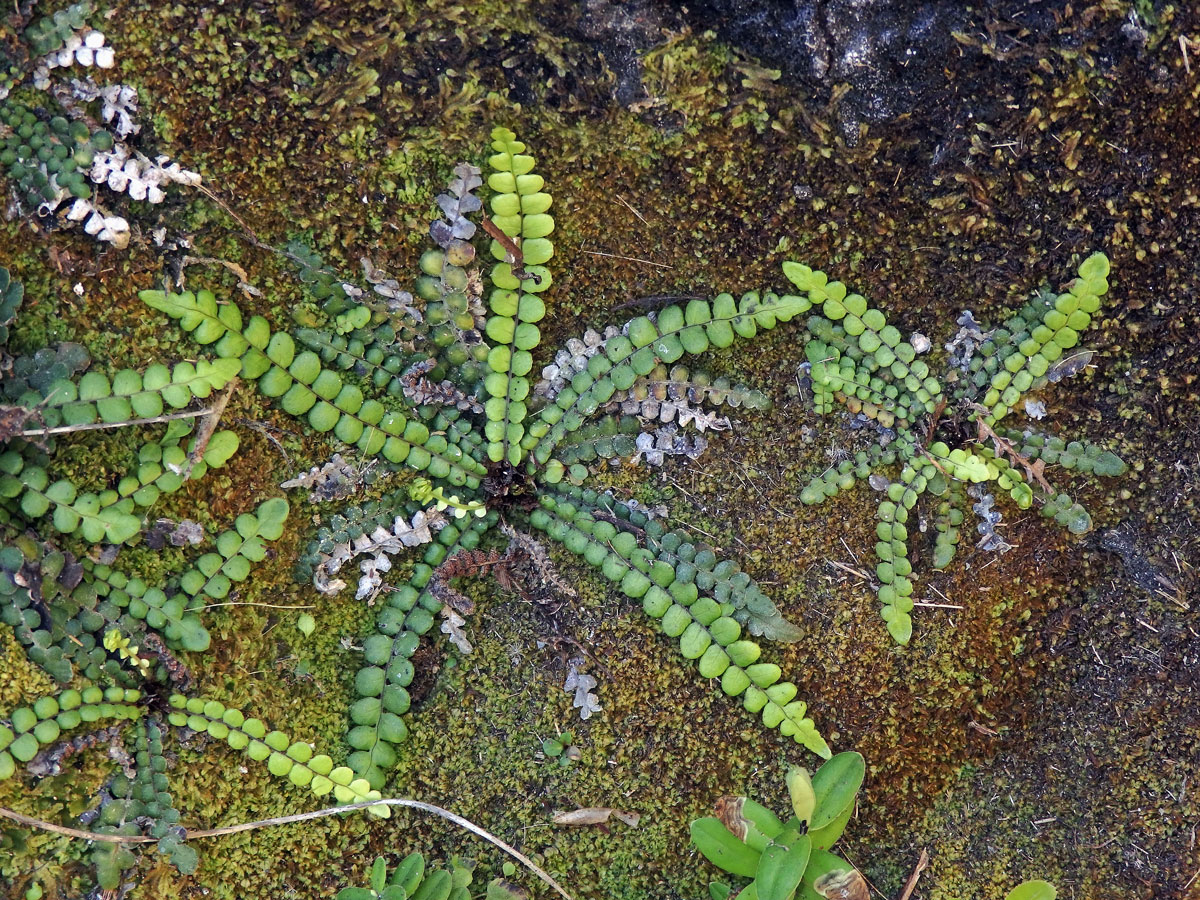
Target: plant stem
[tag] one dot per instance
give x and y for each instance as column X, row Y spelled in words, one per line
column 298, row 817
column 95, row 426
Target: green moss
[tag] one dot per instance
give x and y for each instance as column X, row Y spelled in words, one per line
column 716, row 196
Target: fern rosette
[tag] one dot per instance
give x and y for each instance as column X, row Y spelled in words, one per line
column 856, row 359
column 365, row 382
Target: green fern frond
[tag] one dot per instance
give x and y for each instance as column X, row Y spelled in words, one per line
column 28, row 729
column 304, row 388
column 141, row 602
column 94, row 517
column 214, row 573
column 1059, row 330
column 60, row 627
column 519, row 211
column 150, row 789
column 625, row 358
column 381, row 685
column 607, row 438
column 284, row 758
column 705, row 631
column 858, row 360
column 720, row 578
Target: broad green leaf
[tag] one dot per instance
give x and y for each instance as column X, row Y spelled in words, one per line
column 410, row 872
column 836, row 784
column 722, row 849
column 460, row 875
column 378, row 874
column 820, row 863
column 1033, row 890
column 825, row 837
column 781, row 868
column 436, row 886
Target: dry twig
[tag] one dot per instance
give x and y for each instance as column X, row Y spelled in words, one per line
column 95, row 426
column 911, row 884
column 286, row 820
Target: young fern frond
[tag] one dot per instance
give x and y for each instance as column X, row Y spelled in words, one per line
column 163, row 467
column 895, row 592
column 213, row 574
column 519, row 213
column 1082, row 456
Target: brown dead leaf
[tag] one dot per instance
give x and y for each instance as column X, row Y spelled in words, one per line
column 842, row 884
column 729, row 811
column 596, row 815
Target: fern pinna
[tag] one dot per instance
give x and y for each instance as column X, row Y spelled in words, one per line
column 440, row 382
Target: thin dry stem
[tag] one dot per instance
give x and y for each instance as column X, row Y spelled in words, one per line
column 95, row 426
column 298, row 817
column 911, row 884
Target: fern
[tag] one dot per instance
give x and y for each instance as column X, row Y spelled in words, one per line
column 858, row 360
column 304, row 388
column 404, row 386
column 705, row 629
column 519, row 208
